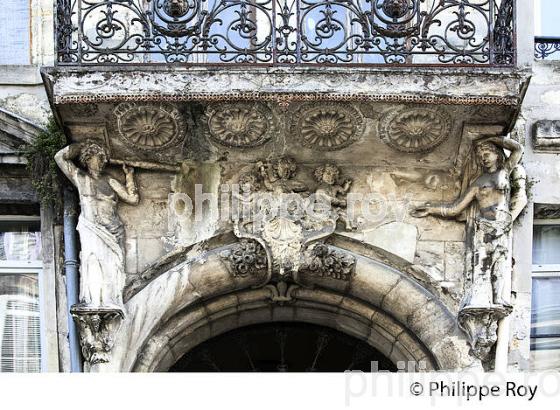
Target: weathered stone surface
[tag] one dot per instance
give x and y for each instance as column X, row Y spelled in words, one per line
column 454, row 261
column 431, row 256
column 394, row 137
column 126, row 81
column 546, row 136
column 396, row 237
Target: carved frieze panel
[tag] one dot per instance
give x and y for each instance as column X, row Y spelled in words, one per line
column 239, row 125
column 149, row 127
column 546, row 135
column 415, row 129
column 327, row 126
column 547, row 211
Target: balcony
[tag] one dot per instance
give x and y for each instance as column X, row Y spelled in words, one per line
column 547, row 48
column 451, row 63
column 287, row 32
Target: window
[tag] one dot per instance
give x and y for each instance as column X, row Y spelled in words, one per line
column 14, row 32
column 545, row 306
column 20, row 268
column 547, row 13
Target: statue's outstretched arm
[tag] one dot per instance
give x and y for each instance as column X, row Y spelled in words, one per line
column 452, row 209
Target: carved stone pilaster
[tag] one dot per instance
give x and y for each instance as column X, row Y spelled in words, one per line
column 481, row 325
column 97, row 326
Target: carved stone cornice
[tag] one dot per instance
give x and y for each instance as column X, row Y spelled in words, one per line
column 285, row 99
column 449, row 85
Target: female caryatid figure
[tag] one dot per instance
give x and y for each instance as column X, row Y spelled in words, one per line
column 493, row 196
column 101, row 230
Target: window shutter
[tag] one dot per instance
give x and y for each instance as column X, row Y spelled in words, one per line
column 20, row 347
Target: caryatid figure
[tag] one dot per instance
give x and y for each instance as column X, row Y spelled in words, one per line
column 102, row 273
column 493, row 199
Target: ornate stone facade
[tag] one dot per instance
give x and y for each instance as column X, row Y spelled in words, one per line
column 371, row 143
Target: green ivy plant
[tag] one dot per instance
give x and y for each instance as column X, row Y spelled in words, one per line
column 42, row 168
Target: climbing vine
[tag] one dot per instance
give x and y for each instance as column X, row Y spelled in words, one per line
column 42, row 168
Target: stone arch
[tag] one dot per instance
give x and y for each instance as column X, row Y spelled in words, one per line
column 195, row 298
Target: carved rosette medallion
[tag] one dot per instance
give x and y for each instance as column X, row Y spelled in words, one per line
column 415, row 130
column 239, row 125
column 246, row 258
column 150, row 126
column 327, row 127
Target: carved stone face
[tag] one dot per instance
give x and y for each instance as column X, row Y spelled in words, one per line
column 284, row 168
column 96, row 164
column 330, row 175
column 395, row 8
column 487, row 155
column 176, row 8
column 248, row 184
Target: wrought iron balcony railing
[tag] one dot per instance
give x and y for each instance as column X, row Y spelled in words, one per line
column 547, row 48
column 286, row 32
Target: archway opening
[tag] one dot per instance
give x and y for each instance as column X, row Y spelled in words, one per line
column 283, row 347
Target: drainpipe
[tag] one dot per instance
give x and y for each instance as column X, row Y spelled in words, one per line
column 502, row 343
column 72, row 276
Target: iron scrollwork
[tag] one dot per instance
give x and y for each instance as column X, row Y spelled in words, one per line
column 286, row 31
column 546, row 48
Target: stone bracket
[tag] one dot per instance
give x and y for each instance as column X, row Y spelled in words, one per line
column 97, row 327
column 480, row 323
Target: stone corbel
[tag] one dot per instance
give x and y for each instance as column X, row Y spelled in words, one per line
column 481, row 325
column 97, row 326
